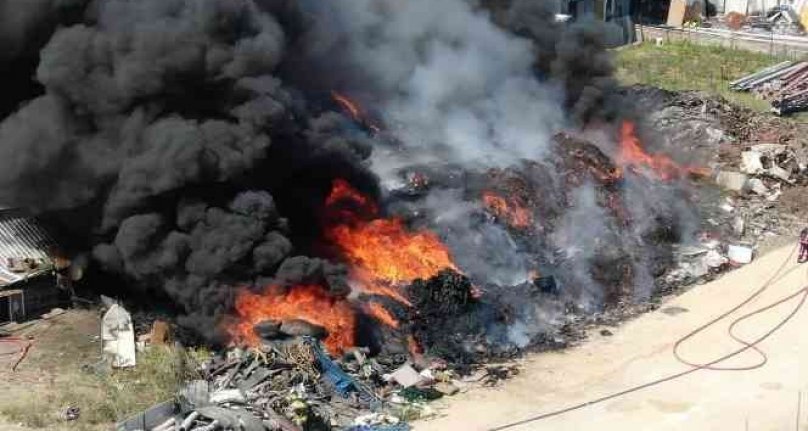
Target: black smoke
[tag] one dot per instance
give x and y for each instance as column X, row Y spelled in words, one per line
column 573, row 55
column 165, row 126
column 189, row 144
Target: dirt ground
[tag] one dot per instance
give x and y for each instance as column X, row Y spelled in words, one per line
column 49, row 379
column 63, row 368
column 641, row 350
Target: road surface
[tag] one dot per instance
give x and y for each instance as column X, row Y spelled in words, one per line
column 641, row 351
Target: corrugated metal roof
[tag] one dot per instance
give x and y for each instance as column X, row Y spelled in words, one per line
column 21, row 236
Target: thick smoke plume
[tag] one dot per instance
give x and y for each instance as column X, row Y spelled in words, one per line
column 196, row 141
column 159, row 119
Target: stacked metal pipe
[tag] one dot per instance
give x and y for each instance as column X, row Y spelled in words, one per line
column 784, row 85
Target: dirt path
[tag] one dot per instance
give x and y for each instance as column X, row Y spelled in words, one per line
column 640, row 351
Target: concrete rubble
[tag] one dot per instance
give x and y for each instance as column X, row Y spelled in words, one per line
column 764, row 170
column 746, row 217
column 733, row 181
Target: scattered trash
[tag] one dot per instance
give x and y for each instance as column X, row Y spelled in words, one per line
column 734, row 181
column 376, row 419
column 118, row 337
column 397, row 427
column 446, row 388
column 53, row 313
column 71, row 413
column 160, row 334
column 674, row 310
column 406, row 376
column 153, row 418
column 228, row 396
column 757, row 187
column 740, row 254
column 738, row 226
column 713, row 259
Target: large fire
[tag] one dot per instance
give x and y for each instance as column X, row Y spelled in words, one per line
column 382, row 252
column 509, row 210
column 310, row 303
column 632, row 156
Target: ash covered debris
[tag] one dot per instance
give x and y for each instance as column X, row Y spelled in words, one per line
column 447, row 319
column 759, row 166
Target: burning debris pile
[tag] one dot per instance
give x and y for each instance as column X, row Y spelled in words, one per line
column 289, row 381
column 362, row 173
column 759, row 167
column 296, row 386
column 255, row 161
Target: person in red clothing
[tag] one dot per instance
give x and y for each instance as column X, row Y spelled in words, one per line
column 803, row 246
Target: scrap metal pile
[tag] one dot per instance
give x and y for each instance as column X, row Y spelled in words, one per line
column 785, row 85
column 291, row 382
column 295, row 386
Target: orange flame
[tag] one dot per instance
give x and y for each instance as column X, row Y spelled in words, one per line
column 385, row 254
column 383, row 315
column 311, row 303
column 633, row 156
column 355, row 111
column 509, row 210
column 382, row 252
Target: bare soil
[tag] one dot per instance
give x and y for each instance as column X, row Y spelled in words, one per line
column 49, row 379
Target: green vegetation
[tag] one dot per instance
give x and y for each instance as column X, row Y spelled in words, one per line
column 687, row 66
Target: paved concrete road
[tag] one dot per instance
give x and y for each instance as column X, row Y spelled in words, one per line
column 640, row 351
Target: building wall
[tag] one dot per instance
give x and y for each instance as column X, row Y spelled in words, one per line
column 40, row 294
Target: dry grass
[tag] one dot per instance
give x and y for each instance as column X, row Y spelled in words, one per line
column 106, row 396
column 686, row 66
column 56, row 376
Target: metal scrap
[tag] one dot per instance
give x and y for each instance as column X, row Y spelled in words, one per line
column 784, row 85
column 293, row 384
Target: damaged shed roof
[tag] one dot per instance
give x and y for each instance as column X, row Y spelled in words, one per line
column 22, row 237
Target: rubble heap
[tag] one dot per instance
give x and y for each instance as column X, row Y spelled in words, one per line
column 290, row 383
column 759, row 168
column 296, row 386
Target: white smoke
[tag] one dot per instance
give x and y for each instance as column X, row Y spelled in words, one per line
column 450, row 84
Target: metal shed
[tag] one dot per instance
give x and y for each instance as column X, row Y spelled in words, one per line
column 28, row 279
